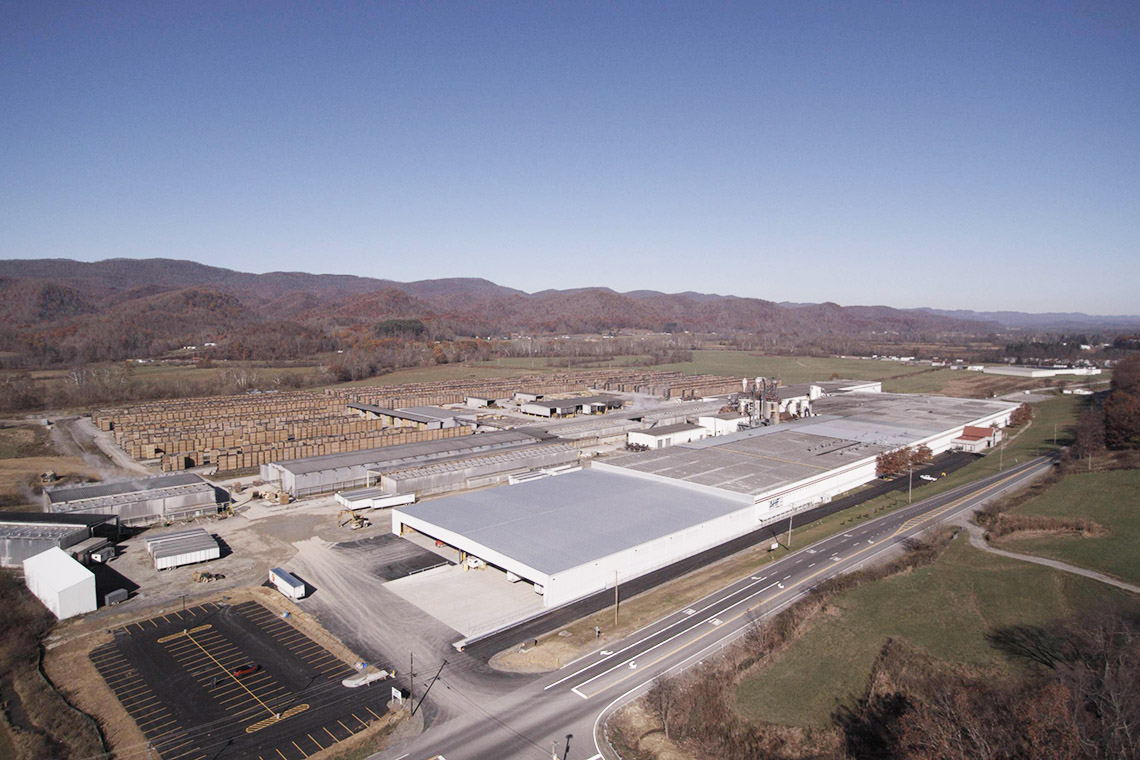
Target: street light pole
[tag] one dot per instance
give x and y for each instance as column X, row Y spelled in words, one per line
column 615, row 598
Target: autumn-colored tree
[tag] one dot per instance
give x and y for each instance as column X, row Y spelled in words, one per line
column 1122, row 420
column 1126, row 375
column 1089, row 432
column 1021, row 415
column 895, row 462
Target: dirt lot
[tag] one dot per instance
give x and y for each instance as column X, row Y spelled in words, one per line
column 26, row 452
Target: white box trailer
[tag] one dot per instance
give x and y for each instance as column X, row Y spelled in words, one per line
column 287, row 583
column 182, row 547
column 65, row 587
column 373, row 498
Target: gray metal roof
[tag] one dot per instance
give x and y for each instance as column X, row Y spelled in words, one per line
column 562, row 403
column 54, row 518
column 133, row 486
column 437, row 412
column 180, row 542
column 389, row 455
column 44, row 532
column 400, row 414
column 856, row 426
column 555, row 524
column 680, row 427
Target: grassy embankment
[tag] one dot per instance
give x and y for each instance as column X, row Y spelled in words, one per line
column 1112, row 500
column 947, row 608
column 944, row 609
column 555, row 650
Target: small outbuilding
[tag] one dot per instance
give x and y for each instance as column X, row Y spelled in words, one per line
column 723, row 423
column 65, row 587
column 664, row 436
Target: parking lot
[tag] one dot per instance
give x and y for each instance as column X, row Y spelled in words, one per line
column 220, row 681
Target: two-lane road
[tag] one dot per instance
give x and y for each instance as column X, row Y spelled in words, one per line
column 564, row 711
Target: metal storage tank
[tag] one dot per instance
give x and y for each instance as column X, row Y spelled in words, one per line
column 65, row 587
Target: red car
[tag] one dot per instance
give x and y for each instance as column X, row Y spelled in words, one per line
column 246, row 670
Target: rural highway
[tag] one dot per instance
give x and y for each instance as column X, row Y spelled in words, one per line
column 561, row 714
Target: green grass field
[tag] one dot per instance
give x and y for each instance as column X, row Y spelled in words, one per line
column 789, row 369
column 944, row 609
column 1111, row 499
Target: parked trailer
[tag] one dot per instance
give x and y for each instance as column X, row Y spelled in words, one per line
column 373, row 498
column 182, row 547
column 287, row 583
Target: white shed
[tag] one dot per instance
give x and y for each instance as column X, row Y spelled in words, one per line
column 65, row 587
column 664, row 436
column 723, row 423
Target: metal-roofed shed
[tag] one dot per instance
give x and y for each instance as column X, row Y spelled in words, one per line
column 139, row 501
column 333, row 472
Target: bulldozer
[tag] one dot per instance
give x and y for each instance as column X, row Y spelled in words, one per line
column 352, row 518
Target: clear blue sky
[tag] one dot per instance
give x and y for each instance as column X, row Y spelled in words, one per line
column 959, row 155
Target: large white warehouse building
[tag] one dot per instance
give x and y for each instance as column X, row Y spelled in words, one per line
column 580, row 533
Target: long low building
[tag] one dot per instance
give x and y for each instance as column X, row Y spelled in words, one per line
column 357, row 469
column 1019, row 370
column 140, row 501
column 566, row 406
column 628, row 515
column 26, row 534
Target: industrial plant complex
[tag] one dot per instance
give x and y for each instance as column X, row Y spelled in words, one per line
column 591, row 488
column 483, row 507
column 582, row 532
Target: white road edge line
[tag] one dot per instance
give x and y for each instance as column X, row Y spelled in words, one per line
column 655, row 633
column 679, row 633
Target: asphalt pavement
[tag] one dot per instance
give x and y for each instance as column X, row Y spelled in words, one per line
column 560, row 715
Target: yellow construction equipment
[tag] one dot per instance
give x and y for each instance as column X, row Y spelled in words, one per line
column 352, row 518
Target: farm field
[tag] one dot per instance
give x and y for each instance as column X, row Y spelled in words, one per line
column 1111, row 499
column 944, row 609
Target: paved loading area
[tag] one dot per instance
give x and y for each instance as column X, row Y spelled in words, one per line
column 177, row 675
column 472, row 602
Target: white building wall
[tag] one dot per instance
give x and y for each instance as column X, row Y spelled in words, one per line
column 647, row 438
column 631, row 563
column 63, row 585
column 717, row 426
column 463, row 543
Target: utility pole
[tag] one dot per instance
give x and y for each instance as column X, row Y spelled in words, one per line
column 1054, row 434
column 615, row 598
column 411, row 679
column 1001, row 457
column 790, row 530
column 909, row 483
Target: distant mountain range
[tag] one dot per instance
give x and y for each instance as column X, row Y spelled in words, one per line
column 1068, row 320
column 132, row 307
